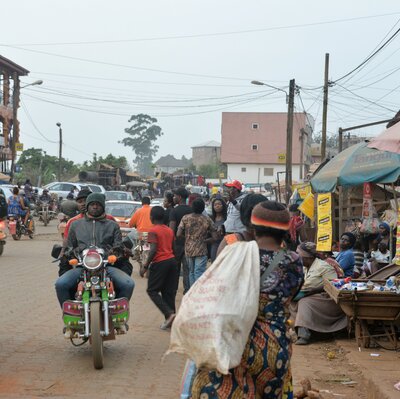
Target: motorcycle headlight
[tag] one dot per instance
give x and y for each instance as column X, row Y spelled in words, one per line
column 92, row 260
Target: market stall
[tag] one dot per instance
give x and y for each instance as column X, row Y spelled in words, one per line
column 373, row 308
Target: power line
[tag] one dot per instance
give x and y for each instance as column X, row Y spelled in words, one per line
column 34, row 125
column 123, row 65
column 369, row 57
column 190, row 36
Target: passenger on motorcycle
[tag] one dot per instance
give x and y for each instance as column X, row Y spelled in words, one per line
column 94, row 229
column 15, row 203
column 26, row 210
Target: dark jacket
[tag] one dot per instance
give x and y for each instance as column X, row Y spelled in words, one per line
column 103, row 233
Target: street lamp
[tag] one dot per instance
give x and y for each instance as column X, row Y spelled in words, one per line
column 15, row 100
column 35, row 83
column 60, row 151
column 289, row 132
column 258, row 83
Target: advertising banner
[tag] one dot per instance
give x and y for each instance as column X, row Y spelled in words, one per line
column 324, row 222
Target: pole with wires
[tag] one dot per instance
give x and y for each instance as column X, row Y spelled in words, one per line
column 325, row 108
column 289, row 141
column 60, row 151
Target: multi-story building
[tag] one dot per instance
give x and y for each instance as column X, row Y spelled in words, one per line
column 9, row 102
column 254, row 145
column 206, row 153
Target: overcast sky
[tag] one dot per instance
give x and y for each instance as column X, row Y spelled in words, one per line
column 185, row 61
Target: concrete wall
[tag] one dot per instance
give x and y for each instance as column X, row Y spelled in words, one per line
column 205, row 155
column 254, row 173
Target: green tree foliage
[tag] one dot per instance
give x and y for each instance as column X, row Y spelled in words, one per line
column 116, row 162
column 34, row 162
column 211, row 171
column 142, row 136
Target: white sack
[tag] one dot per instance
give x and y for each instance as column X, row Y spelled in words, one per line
column 216, row 316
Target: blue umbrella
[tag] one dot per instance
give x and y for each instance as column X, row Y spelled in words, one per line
column 356, row 165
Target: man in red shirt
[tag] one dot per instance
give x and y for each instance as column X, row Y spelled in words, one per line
column 162, row 266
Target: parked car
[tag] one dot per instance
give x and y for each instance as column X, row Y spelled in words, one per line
column 62, row 189
column 118, row 195
column 122, row 212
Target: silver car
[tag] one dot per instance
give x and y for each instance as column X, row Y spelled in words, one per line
column 62, row 189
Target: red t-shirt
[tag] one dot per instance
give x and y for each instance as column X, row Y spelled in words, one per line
column 163, row 236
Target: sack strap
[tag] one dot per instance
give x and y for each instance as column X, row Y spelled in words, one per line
column 272, row 266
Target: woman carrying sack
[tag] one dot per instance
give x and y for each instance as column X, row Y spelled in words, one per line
column 264, row 371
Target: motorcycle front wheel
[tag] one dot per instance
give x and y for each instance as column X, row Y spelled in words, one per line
column 95, row 334
column 1, row 249
column 45, row 219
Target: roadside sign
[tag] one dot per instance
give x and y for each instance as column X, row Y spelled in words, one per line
column 222, row 175
column 282, row 157
column 19, row 147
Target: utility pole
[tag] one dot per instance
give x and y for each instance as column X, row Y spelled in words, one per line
column 289, row 141
column 60, row 151
column 325, row 108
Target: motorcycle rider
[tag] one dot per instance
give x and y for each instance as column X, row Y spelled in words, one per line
column 45, row 197
column 93, row 229
column 15, row 203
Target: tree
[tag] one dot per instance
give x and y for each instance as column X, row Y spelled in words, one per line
column 116, row 162
column 141, row 137
column 211, row 171
column 34, row 162
column 331, row 141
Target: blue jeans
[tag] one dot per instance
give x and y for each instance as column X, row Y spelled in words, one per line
column 197, row 266
column 67, row 283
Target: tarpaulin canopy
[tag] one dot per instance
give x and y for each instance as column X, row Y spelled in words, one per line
column 388, row 140
column 356, row 165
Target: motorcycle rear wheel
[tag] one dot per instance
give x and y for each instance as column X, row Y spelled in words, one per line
column 1, row 249
column 17, row 235
column 95, row 333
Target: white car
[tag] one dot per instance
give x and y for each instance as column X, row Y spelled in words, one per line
column 118, row 195
column 62, row 189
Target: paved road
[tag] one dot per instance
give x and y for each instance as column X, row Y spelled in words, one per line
column 36, row 361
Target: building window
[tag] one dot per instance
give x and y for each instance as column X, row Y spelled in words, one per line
column 254, row 147
column 243, row 170
column 268, row 171
column 254, row 125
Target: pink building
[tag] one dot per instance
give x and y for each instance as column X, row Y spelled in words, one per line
column 254, row 145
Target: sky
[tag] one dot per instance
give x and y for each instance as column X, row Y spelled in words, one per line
column 185, row 62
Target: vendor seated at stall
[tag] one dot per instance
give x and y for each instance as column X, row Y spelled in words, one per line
column 312, row 309
column 379, row 258
column 346, row 257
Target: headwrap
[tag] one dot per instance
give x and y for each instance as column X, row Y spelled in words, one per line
column 264, row 217
column 307, row 250
column 385, row 226
column 352, row 238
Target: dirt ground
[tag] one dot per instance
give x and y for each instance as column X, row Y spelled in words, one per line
column 36, row 361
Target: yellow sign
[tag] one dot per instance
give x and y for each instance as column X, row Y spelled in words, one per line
column 221, row 175
column 307, row 206
column 282, row 158
column 302, row 189
column 324, row 222
column 19, row 147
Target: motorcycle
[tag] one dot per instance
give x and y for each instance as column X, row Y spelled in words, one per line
column 18, row 229
column 95, row 315
column 45, row 212
column 3, row 236
column 62, row 223
column 138, row 245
